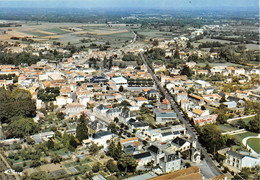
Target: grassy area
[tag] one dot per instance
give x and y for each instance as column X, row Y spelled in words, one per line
column 246, row 120
column 254, row 143
column 84, row 167
column 240, row 137
column 56, row 31
column 226, row 128
column 218, row 64
column 34, row 33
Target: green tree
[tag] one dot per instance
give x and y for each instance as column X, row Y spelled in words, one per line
column 176, row 54
column 254, row 124
column 96, row 167
column 56, row 158
column 82, row 131
column 127, row 163
column 121, row 89
column 38, row 175
column 21, row 127
column 93, row 149
column 186, row 71
column 211, row 138
column 113, row 128
column 111, row 166
column 15, row 102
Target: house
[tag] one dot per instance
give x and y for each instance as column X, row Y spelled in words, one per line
column 185, row 104
column 100, row 138
column 236, row 161
column 139, row 125
column 230, row 104
column 170, row 162
column 153, row 93
column 180, row 144
column 181, row 96
column 41, row 137
column 209, row 90
column 201, row 84
column 101, row 79
column 63, row 100
column 199, row 112
column 74, row 109
column 165, row 105
column 101, row 109
column 209, row 119
column 163, row 117
column 113, row 112
column 143, row 158
column 156, row 153
column 126, row 115
column 116, row 82
column 140, row 101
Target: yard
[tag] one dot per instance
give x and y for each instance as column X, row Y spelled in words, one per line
column 226, row 128
column 241, row 136
column 254, row 143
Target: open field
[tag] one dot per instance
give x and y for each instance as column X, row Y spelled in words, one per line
column 241, row 136
column 226, row 128
column 213, row 40
column 219, row 64
column 68, row 32
column 254, row 143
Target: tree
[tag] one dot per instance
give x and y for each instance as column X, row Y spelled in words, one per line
column 223, row 98
column 254, row 124
column 118, row 151
column 110, row 62
column 38, row 175
column 56, row 158
column 121, row 89
column 82, row 130
column 116, row 120
column 50, row 144
column 211, row 138
column 176, row 54
column 155, row 42
column 21, row 127
column 111, row 166
column 113, row 128
column 93, row 149
column 127, row 163
column 15, row 102
column 241, row 124
column 186, row 71
column 96, row 167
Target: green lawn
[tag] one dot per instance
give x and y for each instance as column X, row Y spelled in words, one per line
column 254, row 143
column 56, row 31
column 240, row 137
column 36, row 33
column 226, row 128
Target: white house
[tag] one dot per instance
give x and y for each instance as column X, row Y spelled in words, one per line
column 143, row 158
column 201, row 84
column 116, row 82
column 140, row 101
column 75, row 109
column 235, row 161
column 170, row 162
column 63, row 100
column 100, row 138
column 180, row 144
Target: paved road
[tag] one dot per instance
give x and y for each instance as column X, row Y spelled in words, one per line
column 211, row 165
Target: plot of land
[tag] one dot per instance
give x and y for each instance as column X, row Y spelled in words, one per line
column 240, row 137
column 254, row 143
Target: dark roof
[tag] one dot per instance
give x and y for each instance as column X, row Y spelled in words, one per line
column 165, row 128
column 101, row 134
column 232, row 98
column 131, row 121
column 153, row 149
column 142, row 155
column 179, row 141
column 232, row 153
column 101, row 107
column 167, row 133
column 169, row 158
column 140, row 124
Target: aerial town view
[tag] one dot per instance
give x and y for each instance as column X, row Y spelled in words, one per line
column 129, row 89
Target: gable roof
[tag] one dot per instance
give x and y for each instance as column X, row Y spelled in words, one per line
column 142, row 155
column 179, row 141
column 153, row 149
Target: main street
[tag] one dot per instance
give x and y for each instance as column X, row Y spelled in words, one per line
column 215, row 171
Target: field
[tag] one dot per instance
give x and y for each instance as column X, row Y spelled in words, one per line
column 241, row 136
column 69, row 32
column 254, row 143
column 226, row 128
column 218, row 64
column 213, row 40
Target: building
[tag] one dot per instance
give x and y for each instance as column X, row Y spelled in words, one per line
column 235, row 161
column 140, row 101
column 100, row 138
column 163, row 117
column 170, row 162
column 75, row 109
column 209, row 119
column 181, row 96
column 156, row 153
column 201, row 84
column 143, row 158
column 180, row 144
column 230, row 104
column 116, row 82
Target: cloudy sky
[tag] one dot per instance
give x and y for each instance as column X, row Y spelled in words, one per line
column 168, row 4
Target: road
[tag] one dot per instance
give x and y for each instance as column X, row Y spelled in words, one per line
column 215, row 171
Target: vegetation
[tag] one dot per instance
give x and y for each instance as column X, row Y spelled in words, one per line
column 15, row 102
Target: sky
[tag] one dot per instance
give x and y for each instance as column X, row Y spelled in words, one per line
column 160, row 4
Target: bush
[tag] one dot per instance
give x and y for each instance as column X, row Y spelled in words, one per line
column 18, row 169
column 95, row 168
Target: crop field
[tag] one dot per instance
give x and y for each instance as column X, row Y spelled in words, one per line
column 213, row 40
